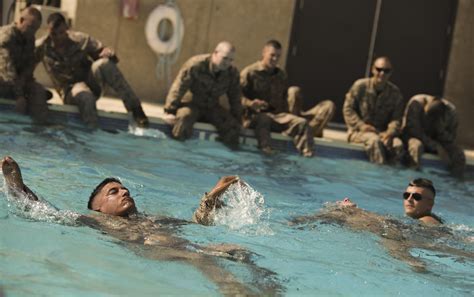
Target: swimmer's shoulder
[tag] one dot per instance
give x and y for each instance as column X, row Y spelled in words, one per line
column 431, row 220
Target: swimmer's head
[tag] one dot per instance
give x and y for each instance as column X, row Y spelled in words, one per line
column 111, row 197
column 419, row 198
column 346, row 203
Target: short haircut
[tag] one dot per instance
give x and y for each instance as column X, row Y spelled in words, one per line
column 423, row 183
column 382, row 58
column 33, row 12
column 56, row 19
column 273, row 43
column 99, row 188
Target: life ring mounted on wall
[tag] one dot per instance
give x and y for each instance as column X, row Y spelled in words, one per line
column 164, row 29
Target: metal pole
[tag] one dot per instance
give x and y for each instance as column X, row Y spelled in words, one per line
column 373, row 37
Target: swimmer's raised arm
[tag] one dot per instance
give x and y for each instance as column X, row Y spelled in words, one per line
column 210, row 201
column 14, row 180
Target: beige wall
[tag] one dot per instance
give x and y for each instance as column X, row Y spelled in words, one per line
column 459, row 87
column 246, row 23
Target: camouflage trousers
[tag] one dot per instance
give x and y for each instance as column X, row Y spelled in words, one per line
column 227, row 126
column 84, row 94
column 451, row 154
column 285, row 123
column 376, row 150
column 36, row 99
column 317, row 116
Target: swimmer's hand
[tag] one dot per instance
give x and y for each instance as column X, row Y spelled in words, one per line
column 222, row 185
column 14, row 180
column 211, row 201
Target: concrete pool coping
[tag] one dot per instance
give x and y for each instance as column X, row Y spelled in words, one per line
column 114, row 116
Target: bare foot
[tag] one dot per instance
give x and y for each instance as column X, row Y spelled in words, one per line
column 14, row 180
column 307, row 153
column 12, row 173
column 267, row 150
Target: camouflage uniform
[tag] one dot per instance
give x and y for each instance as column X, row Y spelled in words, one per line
column 318, row 116
column 80, row 75
column 258, row 83
column 195, row 95
column 384, row 111
column 16, row 72
column 432, row 135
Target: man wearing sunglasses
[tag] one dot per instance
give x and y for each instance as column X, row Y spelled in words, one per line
column 430, row 125
column 419, row 200
column 373, row 111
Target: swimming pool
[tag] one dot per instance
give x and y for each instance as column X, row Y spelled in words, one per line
column 168, row 178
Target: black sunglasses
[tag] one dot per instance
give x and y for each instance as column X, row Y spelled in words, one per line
column 384, row 70
column 416, row 196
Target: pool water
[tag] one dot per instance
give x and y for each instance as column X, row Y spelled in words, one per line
column 45, row 256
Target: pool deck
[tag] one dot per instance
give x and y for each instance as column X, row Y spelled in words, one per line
column 111, row 104
column 334, row 142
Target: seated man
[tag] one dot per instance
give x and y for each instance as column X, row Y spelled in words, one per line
column 117, row 216
column 318, row 116
column 430, row 125
column 194, row 95
column 80, row 67
column 397, row 237
column 266, row 100
column 373, row 111
column 17, row 42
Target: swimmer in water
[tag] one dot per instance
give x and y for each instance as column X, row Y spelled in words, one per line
column 398, row 238
column 116, row 214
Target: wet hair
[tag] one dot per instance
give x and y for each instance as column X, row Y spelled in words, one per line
column 273, row 43
column 56, row 19
column 423, row 183
column 99, row 188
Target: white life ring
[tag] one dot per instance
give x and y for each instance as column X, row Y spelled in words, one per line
column 159, row 14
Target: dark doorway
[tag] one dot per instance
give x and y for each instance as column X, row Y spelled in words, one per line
column 330, row 45
column 415, row 34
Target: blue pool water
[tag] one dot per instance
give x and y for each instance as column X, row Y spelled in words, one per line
column 43, row 257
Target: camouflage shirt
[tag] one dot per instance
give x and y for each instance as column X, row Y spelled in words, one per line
column 416, row 124
column 73, row 63
column 259, row 83
column 383, row 110
column 16, row 59
column 199, row 85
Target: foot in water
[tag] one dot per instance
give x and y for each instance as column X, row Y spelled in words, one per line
column 14, row 180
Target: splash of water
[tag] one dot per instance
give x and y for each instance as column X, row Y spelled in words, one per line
column 20, row 205
column 244, row 210
column 149, row 132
